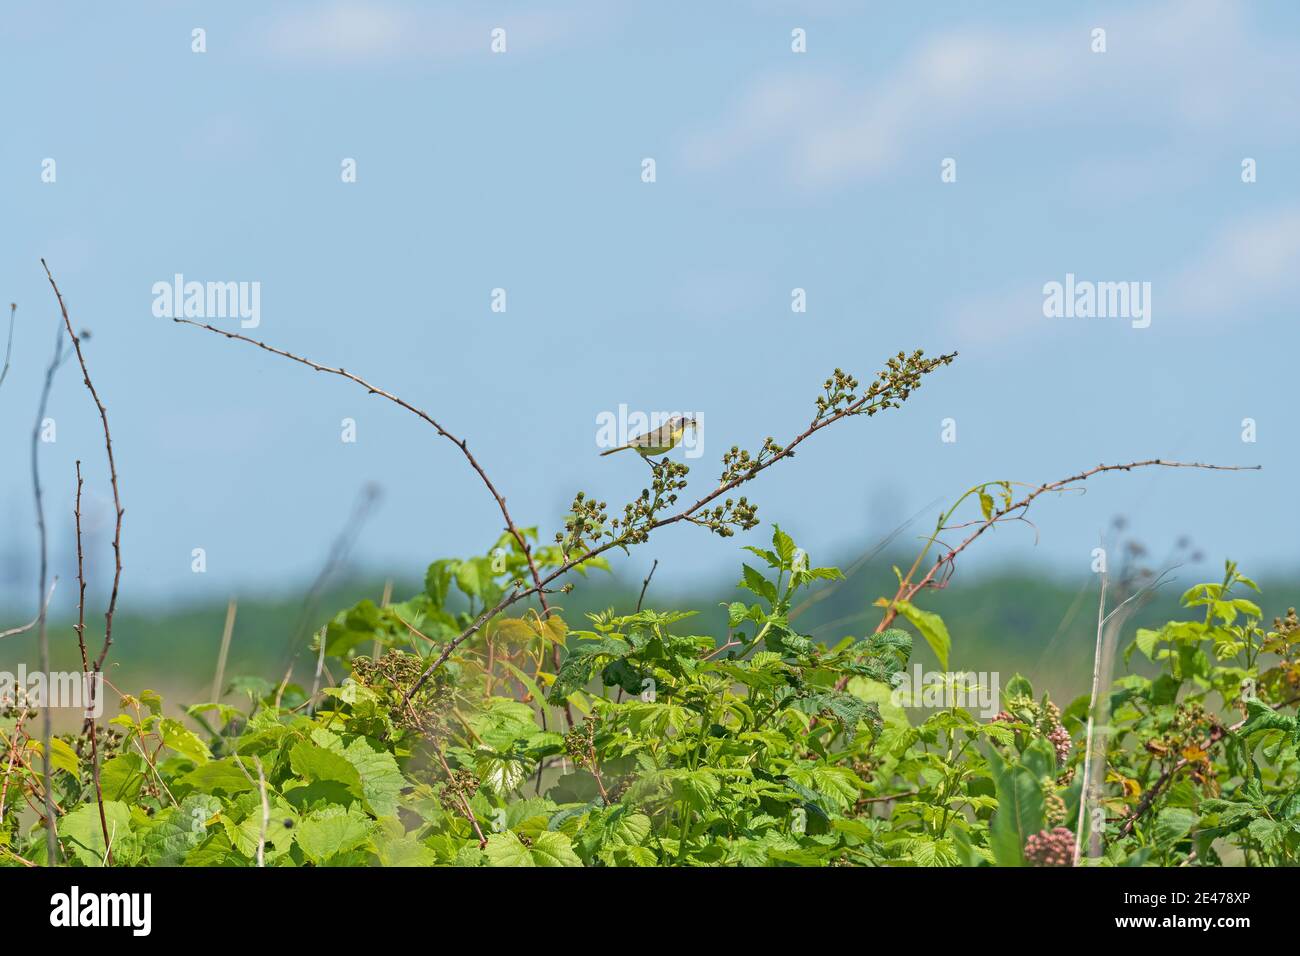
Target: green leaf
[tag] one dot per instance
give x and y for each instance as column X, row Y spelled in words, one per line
column 1260, row 716
column 121, row 777
column 784, row 546
column 847, row 709
column 1040, row 758
column 436, row 582
column 469, row 578
column 184, row 741
column 500, row 774
column 63, row 757
column 381, row 778
column 332, row 831
column 177, row 830
column 82, row 832
column 550, row 848
column 315, row 763
column 836, row 787
column 754, row 581
column 1020, row 810
column 770, row 557
column 629, row 829
column 577, row 669
column 219, row 776
column 931, row 627
column 1172, row 825
column 699, row 788
column 1146, row 640
column 406, row 851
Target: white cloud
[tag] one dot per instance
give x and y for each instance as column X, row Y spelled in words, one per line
column 1250, row 262
column 1190, row 68
column 343, row 31
column 349, row 31
column 1246, row 267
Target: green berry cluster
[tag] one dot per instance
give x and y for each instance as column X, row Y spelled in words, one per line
column 580, row 742
column 738, row 464
column 841, row 391
column 390, row 675
column 585, row 526
column 667, row 478
column 1053, row 804
column 900, row 377
column 1044, row 718
column 724, row 519
column 461, row 786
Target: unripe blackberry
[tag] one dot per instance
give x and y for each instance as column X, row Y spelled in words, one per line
column 1053, row 847
column 1054, row 809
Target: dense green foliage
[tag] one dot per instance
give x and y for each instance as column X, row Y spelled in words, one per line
column 758, row 747
column 465, row 726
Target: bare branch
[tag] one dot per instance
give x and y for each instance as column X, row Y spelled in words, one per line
column 43, row 641
column 88, row 682
column 645, row 584
column 460, row 443
column 24, row 628
column 9, row 345
column 942, row 567
column 112, row 471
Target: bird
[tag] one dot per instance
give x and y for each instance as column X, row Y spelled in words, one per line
column 659, row 441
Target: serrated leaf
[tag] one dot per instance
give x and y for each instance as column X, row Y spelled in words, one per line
column 82, row 833
column 332, row 831
column 931, row 627
column 754, row 581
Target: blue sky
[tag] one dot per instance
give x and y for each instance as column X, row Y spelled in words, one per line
column 774, row 171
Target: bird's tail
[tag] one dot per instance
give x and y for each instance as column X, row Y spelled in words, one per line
column 612, row 450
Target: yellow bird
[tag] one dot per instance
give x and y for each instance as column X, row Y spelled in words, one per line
column 661, row 440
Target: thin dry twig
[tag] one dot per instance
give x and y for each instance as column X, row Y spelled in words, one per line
column 24, row 628
column 889, row 796
column 942, row 568
column 43, row 640
column 460, row 443
column 112, row 472
column 13, row 745
column 86, row 674
column 460, row 797
column 9, row 345
column 645, row 584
